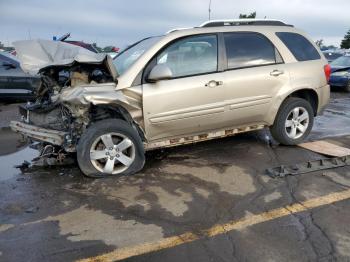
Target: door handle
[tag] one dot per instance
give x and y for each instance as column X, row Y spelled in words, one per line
column 276, row 72
column 214, row 83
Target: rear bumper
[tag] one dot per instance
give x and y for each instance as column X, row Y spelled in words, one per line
column 338, row 81
column 41, row 134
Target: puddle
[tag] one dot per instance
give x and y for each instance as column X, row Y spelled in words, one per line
column 10, row 141
column 334, row 122
column 7, row 163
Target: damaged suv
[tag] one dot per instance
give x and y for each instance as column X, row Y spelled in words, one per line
column 189, row 85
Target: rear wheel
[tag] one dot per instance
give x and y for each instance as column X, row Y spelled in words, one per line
column 110, row 147
column 293, row 122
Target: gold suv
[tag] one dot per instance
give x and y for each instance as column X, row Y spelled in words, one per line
column 189, row 85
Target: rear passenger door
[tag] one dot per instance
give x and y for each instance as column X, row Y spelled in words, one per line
column 255, row 73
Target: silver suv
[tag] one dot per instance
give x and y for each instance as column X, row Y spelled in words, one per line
column 189, row 85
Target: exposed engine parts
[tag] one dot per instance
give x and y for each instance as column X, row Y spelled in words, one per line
column 70, row 98
column 51, row 155
column 55, row 79
column 77, row 88
column 49, row 111
column 56, row 117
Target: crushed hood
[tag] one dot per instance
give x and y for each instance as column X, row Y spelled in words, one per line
column 35, row 55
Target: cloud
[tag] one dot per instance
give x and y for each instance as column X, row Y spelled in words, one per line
column 121, row 22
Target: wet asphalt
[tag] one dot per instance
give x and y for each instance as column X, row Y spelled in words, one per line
column 57, row 214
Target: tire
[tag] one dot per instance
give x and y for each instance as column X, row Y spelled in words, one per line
column 347, row 87
column 97, row 160
column 283, row 131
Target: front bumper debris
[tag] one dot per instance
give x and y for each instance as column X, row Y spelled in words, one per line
column 37, row 133
column 310, row 166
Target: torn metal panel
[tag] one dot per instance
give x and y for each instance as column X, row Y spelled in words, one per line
column 42, row 134
column 104, row 94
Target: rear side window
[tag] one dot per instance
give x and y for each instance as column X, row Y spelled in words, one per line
column 300, row 47
column 249, row 49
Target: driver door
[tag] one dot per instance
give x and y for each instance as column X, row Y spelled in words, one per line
column 192, row 101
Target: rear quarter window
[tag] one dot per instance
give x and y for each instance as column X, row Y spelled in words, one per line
column 299, row 46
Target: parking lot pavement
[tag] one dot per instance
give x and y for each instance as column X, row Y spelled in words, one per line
column 8, row 112
column 211, row 201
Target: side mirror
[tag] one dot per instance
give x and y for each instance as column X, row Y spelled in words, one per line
column 9, row 65
column 160, row 72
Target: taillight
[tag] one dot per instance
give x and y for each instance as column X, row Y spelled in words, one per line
column 327, row 71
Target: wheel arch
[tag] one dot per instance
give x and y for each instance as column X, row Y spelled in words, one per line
column 101, row 112
column 308, row 94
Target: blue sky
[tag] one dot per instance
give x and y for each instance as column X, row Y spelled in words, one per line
column 121, row 22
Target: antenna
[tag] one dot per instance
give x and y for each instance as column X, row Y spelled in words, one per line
column 209, row 10
column 29, row 34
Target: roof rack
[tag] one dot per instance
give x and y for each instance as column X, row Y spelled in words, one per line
column 177, row 29
column 238, row 22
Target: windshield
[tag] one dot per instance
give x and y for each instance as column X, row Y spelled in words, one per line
column 127, row 58
column 341, row 61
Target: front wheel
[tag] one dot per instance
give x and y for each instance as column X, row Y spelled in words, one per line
column 293, row 122
column 110, row 147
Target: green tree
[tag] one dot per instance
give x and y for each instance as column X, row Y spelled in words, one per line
column 345, row 43
column 251, row 15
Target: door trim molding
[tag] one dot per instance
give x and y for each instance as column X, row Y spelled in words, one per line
column 201, row 137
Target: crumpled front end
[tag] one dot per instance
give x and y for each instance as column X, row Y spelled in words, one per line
column 77, row 89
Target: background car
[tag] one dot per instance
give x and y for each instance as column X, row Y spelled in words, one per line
column 331, row 55
column 340, row 76
column 14, row 82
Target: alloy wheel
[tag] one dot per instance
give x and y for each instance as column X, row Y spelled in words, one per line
column 297, row 122
column 112, row 153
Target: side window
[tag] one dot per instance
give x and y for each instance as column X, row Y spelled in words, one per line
column 2, row 68
column 191, row 56
column 299, row 46
column 249, row 49
column 6, row 60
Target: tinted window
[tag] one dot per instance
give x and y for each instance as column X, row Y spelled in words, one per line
column 248, row 49
column 2, row 68
column 191, row 56
column 4, row 60
column 7, row 58
column 300, row 47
